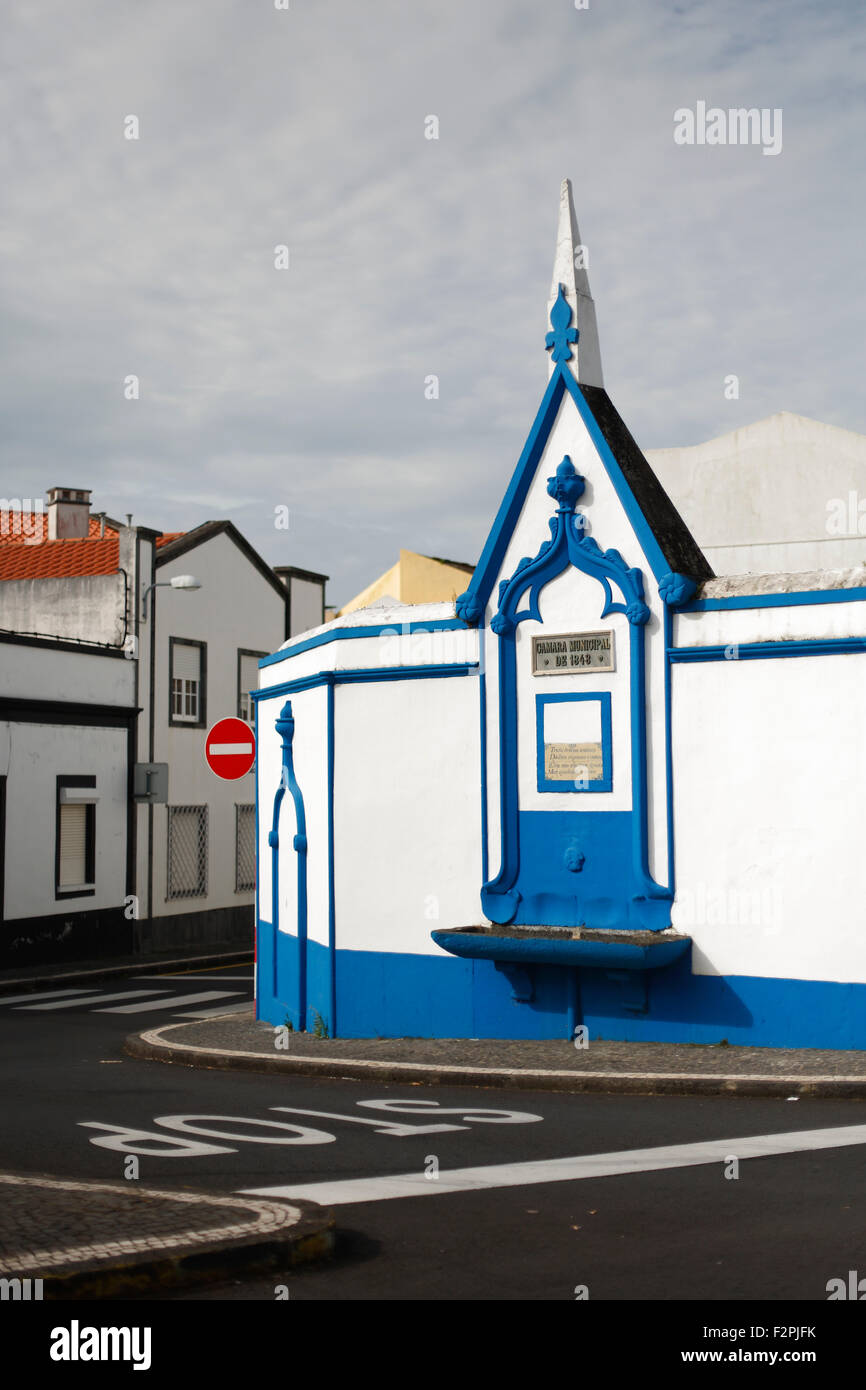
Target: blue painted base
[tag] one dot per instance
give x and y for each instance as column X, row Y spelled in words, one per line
column 604, row 893
column 395, row 995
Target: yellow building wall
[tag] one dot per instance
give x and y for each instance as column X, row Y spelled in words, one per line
column 414, row 579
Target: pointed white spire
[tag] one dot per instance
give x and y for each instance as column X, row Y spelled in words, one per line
column 569, row 270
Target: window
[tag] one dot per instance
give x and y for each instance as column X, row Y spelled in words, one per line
column 245, row 848
column 75, row 838
column 248, row 679
column 187, row 678
column 187, row 852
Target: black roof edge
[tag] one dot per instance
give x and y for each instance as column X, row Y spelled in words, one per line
column 298, row 573
column 206, row 532
column 676, row 542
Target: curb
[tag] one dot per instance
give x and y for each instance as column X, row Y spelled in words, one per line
column 151, row 1046
column 109, row 972
column 280, row 1236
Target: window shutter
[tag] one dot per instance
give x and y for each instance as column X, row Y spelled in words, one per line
column 73, row 846
column 186, row 662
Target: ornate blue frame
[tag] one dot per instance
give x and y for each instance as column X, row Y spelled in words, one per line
column 569, row 545
column 285, row 726
column 602, row 784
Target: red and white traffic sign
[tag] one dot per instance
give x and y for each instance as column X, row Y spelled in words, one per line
column 230, row 749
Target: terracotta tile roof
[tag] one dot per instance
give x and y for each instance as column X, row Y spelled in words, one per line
column 26, row 554
column 59, row 559
column 168, row 536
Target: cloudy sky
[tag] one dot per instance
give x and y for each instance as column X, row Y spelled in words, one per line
column 304, row 388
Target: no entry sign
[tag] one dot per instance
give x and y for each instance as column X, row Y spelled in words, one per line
column 230, row 749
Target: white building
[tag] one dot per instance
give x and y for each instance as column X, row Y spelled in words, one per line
column 93, row 625
column 603, row 789
column 67, row 819
column 785, row 494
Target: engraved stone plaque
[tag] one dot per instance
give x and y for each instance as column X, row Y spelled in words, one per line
column 568, row 762
column 573, row 653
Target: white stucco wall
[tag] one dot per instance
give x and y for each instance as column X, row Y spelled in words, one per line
column 769, row 496
column 43, row 673
column 407, row 812
column 769, row 770
column 306, row 604
column 32, row 756
column 90, row 606
column 406, row 785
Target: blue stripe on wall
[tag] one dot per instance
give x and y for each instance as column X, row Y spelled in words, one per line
column 401, row 995
column 753, row 651
column 792, row 600
column 345, row 634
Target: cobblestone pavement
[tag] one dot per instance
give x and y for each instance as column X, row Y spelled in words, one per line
column 95, row 1238
column 242, row 1033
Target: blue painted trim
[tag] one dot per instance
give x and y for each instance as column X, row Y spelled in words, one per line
column 752, row 651
column 343, row 634
column 601, row 784
column 545, row 950
column 332, row 915
column 471, row 605
column 285, row 726
column 668, row 627
column 500, row 898
column 482, row 694
column 365, row 674
column 258, row 902
column 399, row 994
column 793, row 600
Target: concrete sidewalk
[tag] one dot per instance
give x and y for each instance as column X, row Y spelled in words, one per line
column 241, row 1043
column 93, row 1240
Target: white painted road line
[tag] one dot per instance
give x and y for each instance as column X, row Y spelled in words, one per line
column 168, row 1002
column 192, row 977
column 96, row 999
column 219, row 1012
column 46, row 994
column 417, row 1184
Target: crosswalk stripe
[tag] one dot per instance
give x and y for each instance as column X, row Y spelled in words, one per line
column 218, row 1012
column 161, row 1003
column 45, row 994
column 192, row 976
column 94, row 999
column 418, row 1184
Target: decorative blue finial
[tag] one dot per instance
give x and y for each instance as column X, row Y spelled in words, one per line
column 566, row 485
column 563, row 334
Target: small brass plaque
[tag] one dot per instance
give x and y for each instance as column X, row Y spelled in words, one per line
column 573, row 652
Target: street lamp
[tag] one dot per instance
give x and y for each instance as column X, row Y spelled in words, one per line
column 180, row 581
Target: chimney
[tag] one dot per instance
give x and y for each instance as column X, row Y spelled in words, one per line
column 68, row 510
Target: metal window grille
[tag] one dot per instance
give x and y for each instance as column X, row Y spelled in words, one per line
column 245, row 848
column 187, row 852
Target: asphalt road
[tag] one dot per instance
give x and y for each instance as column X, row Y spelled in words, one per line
column 778, row 1231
